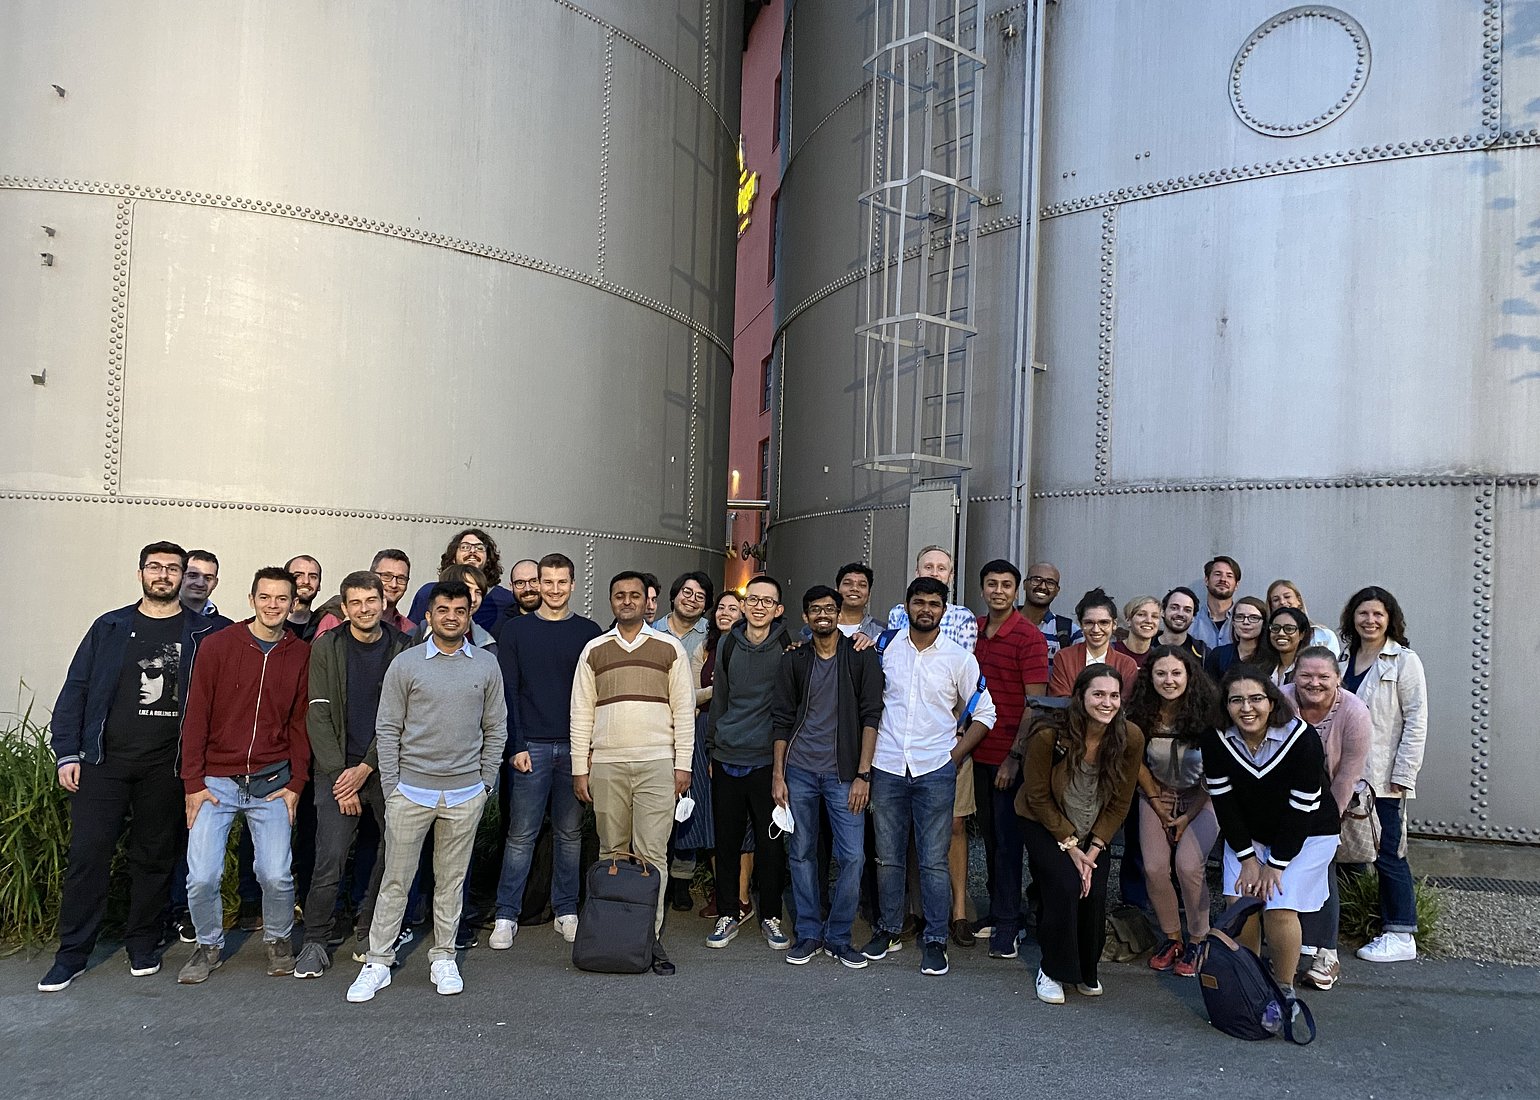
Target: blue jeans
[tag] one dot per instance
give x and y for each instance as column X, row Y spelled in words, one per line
column 810, row 795
column 1398, row 897
column 925, row 801
column 268, row 823
column 548, row 782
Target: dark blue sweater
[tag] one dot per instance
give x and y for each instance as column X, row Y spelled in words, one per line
column 539, row 658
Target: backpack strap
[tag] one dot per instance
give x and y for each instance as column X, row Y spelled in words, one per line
column 1305, row 1017
column 884, row 639
column 1062, row 628
column 966, row 718
column 729, row 644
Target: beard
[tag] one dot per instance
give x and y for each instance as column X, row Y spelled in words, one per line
column 170, row 596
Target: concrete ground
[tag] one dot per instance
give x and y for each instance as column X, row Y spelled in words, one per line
column 740, row 1022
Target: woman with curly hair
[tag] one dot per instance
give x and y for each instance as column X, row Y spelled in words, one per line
column 1080, row 765
column 472, row 546
column 1174, row 702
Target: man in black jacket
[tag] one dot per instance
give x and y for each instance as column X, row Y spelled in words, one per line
column 347, row 668
column 115, row 732
column 828, row 702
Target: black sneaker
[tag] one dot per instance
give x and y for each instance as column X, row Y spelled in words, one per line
column 803, row 951
column 313, row 961
column 881, row 945
column 1002, row 947
column 142, row 966
column 933, row 958
column 59, row 977
column 465, row 938
column 250, row 919
column 679, row 899
column 849, row 956
column 182, row 923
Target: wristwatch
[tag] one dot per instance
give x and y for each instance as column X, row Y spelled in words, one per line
column 1014, row 755
column 864, row 777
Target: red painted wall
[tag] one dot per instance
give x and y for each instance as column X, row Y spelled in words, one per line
column 748, row 425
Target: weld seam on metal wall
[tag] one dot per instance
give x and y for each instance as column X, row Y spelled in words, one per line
column 652, row 53
column 117, row 345
column 848, row 279
column 363, row 225
column 1315, row 162
column 1106, row 318
column 354, row 513
column 828, row 513
column 1481, row 657
column 836, row 109
column 1401, row 481
column 604, row 147
column 588, row 574
column 1492, row 68
column 692, row 434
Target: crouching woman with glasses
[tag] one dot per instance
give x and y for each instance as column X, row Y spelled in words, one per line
column 1266, row 777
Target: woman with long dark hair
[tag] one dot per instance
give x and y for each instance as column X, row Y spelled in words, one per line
column 1080, row 766
column 1382, row 671
column 1266, row 776
column 1288, row 632
column 1174, row 703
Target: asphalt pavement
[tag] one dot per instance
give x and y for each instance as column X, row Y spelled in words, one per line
column 740, row 1022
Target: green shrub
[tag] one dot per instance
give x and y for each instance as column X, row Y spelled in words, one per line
column 34, row 834
column 1360, row 921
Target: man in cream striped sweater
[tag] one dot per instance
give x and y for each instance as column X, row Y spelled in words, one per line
column 633, row 729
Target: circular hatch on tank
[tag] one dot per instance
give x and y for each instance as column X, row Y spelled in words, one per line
column 1299, row 70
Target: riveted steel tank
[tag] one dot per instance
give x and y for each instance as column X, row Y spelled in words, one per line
column 296, row 278
column 1287, row 310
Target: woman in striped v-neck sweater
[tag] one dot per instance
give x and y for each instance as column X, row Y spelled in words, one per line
column 1266, row 776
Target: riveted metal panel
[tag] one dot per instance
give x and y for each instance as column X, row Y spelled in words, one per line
column 1074, row 305
column 1153, row 84
column 1504, row 768
column 826, row 43
column 53, row 433
column 825, row 167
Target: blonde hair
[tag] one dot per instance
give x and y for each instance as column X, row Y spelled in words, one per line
column 1135, row 604
column 1292, row 587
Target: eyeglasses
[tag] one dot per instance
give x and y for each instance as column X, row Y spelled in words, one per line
column 760, row 601
column 1242, row 700
column 1248, row 620
column 156, row 569
column 521, row 585
column 474, row 547
column 690, row 594
column 1042, row 582
column 822, row 609
column 394, row 580
column 1288, row 630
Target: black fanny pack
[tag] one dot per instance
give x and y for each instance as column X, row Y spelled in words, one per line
column 263, row 783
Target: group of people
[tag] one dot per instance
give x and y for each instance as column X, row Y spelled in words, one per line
column 814, row 746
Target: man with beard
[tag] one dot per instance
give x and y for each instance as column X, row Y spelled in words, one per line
column 828, row 701
column 1177, row 612
column 1212, row 627
column 472, row 546
column 929, row 680
column 306, row 572
column 114, row 734
column 1041, row 585
column 245, row 753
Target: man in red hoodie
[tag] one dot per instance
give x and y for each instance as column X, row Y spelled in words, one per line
column 245, row 750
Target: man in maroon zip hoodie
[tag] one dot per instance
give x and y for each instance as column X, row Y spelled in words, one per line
column 245, row 750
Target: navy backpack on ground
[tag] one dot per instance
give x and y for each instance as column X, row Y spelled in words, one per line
column 1238, row 987
column 618, row 930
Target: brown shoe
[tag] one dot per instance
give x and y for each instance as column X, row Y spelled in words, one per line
column 204, row 961
column 280, row 958
column 962, row 932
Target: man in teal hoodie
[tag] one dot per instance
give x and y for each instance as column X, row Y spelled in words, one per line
column 740, row 744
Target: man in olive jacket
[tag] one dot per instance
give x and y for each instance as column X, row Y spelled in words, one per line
column 347, row 667
column 825, row 713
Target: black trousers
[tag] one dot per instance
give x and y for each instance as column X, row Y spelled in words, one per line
column 149, row 796
column 335, row 832
column 1071, row 930
column 984, row 796
column 735, row 802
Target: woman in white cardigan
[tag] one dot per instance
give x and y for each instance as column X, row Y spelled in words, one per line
column 1380, row 669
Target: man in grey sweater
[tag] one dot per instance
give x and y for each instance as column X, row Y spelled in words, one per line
column 440, row 734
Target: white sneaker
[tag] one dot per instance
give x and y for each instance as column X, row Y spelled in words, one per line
column 371, row 979
column 1307, row 951
column 1049, row 991
column 446, row 977
column 1089, row 990
column 503, row 932
column 1392, row 947
column 566, row 927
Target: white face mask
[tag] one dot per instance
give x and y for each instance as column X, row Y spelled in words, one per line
column 684, row 808
column 780, row 818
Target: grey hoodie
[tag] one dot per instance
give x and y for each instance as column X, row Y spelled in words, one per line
column 739, row 727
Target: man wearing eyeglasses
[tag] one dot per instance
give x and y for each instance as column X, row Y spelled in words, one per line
column 690, row 597
column 1040, row 586
column 114, row 735
column 394, row 569
column 524, row 579
column 473, row 546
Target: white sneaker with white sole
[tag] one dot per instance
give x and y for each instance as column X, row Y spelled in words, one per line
column 446, row 977
column 1391, row 947
column 566, row 926
column 371, row 979
column 1049, row 991
column 503, row 932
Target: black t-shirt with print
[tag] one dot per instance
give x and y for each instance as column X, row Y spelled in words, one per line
column 146, row 714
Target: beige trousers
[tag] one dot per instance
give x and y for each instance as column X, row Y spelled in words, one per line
column 634, row 811
column 406, row 827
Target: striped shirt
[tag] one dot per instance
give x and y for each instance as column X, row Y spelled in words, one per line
column 632, row 701
column 1276, row 796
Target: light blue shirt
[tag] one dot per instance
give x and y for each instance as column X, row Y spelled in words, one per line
column 421, row 795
